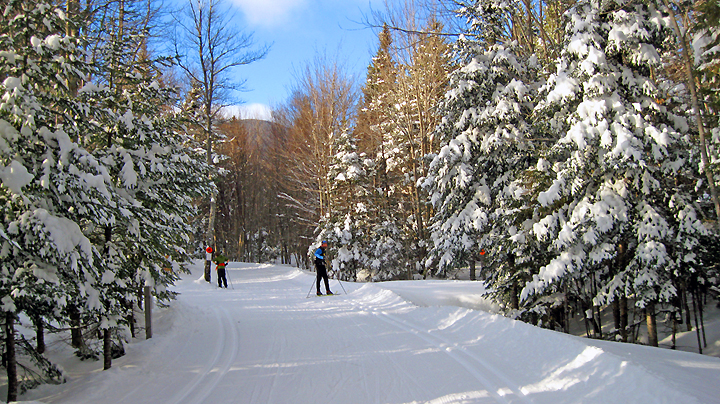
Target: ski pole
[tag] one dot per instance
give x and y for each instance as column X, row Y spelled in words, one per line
column 341, row 285
column 227, row 275
column 311, row 285
column 336, row 275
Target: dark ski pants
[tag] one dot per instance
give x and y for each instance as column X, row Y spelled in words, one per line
column 221, row 277
column 322, row 274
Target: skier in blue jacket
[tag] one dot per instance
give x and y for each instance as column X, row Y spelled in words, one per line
column 320, row 268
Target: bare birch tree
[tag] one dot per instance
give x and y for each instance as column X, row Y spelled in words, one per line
column 682, row 11
column 215, row 49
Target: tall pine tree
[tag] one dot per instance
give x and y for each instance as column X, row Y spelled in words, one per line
column 51, row 185
column 486, row 144
column 616, row 165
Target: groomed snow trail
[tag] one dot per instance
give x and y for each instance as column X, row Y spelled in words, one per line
column 265, row 342
column 339, row 349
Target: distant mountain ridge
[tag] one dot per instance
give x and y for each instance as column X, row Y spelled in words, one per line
column 260, row 134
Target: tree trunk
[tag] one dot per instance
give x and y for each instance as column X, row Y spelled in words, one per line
column 697, row 324
column 616, row 313
column 472, row 269
column 651, row 325
column 73, row 9
column 107, row 349
column 597, row 321
column 210, row 234
column 131, row 320
column 11, row 359
column 514, row 300
column 701, row 305
column 140, row 297
column 76, row 337
column 566, row 309
column 674, row 331
column 623, row 318
column 39, row 333
column 688, row 319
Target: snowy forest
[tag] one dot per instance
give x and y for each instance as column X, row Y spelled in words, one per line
column 564, row 151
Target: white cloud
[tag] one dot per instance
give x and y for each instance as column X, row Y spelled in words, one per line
column 268, row 12
column 249, row 111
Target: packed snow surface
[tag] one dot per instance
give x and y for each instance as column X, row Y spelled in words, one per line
column 263, row 341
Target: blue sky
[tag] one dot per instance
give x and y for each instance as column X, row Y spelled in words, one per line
column 298, row 31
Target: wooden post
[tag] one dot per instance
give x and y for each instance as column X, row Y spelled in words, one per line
column 148, row 313
column 107, row 349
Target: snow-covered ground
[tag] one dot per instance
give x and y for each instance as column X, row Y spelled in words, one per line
column 396, row 342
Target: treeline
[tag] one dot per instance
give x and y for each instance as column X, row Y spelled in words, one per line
column 100, row 178
column 574, row 144
column 252, row 222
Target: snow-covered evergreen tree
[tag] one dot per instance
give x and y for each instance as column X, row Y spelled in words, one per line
column 347, row 225
column 421, row 83
column 486, row 144
column 375, row 117
column 81, row 162
column 394, row 129
column 50, row 184
column 154, row 166
column 616, row 167
column 381, row 190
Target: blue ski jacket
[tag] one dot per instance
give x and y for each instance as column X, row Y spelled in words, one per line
column 320, row 253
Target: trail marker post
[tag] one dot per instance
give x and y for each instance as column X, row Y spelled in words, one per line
column 148, row 313
column 208, row 260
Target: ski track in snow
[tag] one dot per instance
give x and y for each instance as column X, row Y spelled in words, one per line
column 276, row 349
column 125, row 398
column 397, row 367
column 265, row 343
column 477, row 367
column 206, row 381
